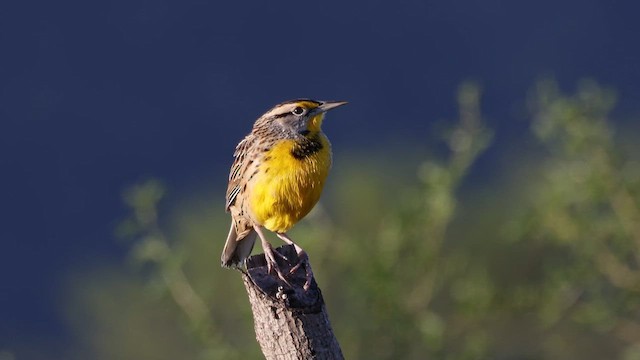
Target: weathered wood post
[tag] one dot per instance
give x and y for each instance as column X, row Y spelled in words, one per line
column 290, row 323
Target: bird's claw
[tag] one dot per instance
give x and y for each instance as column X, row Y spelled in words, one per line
column 272, row 265
column 281, row 256
column 303, row 260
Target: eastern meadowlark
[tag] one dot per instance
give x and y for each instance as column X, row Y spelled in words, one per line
column 276, row 178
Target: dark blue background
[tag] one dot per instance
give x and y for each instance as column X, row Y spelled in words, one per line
column 97, row 95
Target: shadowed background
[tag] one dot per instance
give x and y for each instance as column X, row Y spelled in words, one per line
column 96, row 97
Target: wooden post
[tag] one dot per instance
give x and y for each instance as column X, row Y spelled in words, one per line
column 290, row 323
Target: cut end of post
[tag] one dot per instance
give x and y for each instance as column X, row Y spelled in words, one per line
column 292, row 292
column 291, row 322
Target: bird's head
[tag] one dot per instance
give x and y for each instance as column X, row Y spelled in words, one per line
column 301, row 116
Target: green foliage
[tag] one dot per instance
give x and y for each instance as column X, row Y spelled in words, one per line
column 546, row 267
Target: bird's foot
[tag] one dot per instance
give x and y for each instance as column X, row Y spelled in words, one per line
column 272, row 263
column 303, row 260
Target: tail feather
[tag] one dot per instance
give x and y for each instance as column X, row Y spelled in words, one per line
column 237, row 249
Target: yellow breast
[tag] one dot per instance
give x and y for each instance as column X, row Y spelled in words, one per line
column 286, row 187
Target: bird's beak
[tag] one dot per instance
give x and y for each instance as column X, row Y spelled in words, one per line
column 328, row 105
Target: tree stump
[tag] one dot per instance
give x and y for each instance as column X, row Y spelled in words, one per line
column 290, row 323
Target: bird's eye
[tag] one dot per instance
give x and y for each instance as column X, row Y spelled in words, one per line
column 298, row 110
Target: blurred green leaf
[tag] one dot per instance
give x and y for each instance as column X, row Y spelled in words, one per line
column 412, row 263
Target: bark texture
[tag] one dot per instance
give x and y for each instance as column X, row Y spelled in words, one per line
column 290, row 323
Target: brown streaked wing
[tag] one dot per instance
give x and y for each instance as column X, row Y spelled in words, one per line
column 238, row 168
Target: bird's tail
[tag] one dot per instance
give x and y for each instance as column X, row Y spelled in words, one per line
column 237, row 248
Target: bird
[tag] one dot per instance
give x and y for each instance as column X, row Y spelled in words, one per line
column 277, row 176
